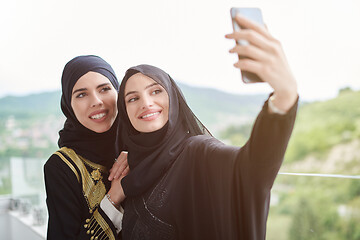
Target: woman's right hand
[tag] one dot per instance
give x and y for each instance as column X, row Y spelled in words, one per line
column 116, row 191
column 265, row 58
column 120, row 167
column 119, row 170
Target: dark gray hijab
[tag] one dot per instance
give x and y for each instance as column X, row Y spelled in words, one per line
column 96, row 147
column 151, row 154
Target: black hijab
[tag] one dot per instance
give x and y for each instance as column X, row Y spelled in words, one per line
column 97, row 147
column 151, row 154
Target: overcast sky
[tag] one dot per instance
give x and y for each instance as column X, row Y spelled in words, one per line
column 185, row 37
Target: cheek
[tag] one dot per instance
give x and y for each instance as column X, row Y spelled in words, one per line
column 77, row 109
column 114, row 105
column 166, row 106
column 130, row 110
column 112, row 100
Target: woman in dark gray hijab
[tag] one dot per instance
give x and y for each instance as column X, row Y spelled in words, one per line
column 184, row 183
column 81, row 201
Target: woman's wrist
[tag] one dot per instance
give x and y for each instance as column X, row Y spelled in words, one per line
column 116, row 205
column 282, row 101
column 116, row 196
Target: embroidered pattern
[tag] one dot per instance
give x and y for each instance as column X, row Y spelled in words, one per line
column 96, row 175
column 94, row 191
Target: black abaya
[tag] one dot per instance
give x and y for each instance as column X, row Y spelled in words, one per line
column 214, row 191
column 190, row 185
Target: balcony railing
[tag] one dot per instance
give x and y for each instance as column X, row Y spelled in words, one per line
column 303, row 205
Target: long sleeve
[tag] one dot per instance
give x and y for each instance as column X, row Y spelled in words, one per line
column 69, row 215
column 257, row 166
column 229, row 187
column 212, row 190
column 113, row 213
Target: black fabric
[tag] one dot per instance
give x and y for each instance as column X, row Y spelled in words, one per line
column 149, row 162
column 214, row 191
column 67, row 207
column 96, row 147
column 211, row 190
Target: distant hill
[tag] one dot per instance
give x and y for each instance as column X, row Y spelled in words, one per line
column 33, row 105
column 322, row 125
column 217, row 109
column 213, row 107
column 29, row 124
column 326, row 135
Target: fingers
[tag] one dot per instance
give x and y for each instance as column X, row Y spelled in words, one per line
column 119, row 166
column 252, row 37
column 247, row 23
column 122, row 157
column 249, row 66
column 116, row 173
column 126, row 171
column 113, row 170
column 263, row 55
column 250, row 52
column 255, row 34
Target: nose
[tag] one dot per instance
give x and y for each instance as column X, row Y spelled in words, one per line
column 96, row 100
column 146, row 102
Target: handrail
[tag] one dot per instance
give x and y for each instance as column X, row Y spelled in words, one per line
column 321, row 175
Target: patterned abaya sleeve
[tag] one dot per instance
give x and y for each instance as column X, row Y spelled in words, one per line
column 69, row 214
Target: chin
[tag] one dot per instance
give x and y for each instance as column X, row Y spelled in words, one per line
column 150, row 129
column 101, row 129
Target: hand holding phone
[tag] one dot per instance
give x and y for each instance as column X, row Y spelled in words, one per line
column 255, row 15
column 263, row 58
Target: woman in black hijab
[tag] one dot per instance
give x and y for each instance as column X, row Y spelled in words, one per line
column 81, row 203
column 185, row 184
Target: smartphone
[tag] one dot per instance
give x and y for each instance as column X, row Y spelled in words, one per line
column 255, row 15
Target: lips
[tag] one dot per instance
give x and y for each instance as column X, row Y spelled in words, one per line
column 150, row 114
column 98, row 115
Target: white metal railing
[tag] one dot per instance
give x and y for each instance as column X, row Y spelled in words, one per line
column 321, row 175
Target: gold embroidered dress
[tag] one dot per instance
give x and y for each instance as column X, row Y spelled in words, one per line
column 75, row 187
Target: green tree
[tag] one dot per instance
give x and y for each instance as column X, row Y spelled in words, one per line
column 305, row 223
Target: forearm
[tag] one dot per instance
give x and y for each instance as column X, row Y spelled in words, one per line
column 270, row 136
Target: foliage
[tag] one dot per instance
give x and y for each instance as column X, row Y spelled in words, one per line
column 237, row 135
column 319, row 126
column 314, row 207
column 326, row 210
column 213, row 107
column 322, row 125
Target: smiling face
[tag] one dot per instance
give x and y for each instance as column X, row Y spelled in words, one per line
column 94, row 101
column 147, row 103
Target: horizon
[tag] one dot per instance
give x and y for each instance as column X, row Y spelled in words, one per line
column 27, row 94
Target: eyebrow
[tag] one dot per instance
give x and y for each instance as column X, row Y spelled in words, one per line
column 84, row 89
column 148, row 86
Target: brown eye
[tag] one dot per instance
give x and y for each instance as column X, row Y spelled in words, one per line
column 81, row 95
column 157, row 91
column 105, row 89
column 132, row 99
